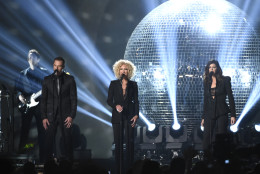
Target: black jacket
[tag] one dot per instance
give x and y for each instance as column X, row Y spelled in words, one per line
column 223, row 89
column 130, row 104
column 51, row 101
column 30, row 81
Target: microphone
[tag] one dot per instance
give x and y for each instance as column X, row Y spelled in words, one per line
column 211, row 74
column 55, row 71
column 210, row 77
column 53, row 74
column 122, row 77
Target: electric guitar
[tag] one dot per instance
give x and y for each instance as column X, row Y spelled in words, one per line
column 24, row 107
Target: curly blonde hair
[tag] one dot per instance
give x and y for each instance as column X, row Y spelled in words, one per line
column 129, row 64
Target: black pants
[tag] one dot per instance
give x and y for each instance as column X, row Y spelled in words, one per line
column 213, row 127
column 128, row 139
column 65, row 141
column 25, row 128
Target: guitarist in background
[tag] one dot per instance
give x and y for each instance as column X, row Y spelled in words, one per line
column 27, row 85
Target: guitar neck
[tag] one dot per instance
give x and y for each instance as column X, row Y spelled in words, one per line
column 37, row 94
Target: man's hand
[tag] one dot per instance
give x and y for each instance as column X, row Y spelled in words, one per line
column 134, row 119
column 232, row 120
column 45, row 123
column 22, row 99
column 68, row 122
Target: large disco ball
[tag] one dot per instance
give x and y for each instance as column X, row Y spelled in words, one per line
column 171, row 47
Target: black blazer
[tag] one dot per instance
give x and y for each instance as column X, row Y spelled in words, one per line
column 130, row 104
column 66, row 100
column 223, row 89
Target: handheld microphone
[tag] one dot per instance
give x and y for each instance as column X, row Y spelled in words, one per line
column 211, row 74
column 55, row 71
column 53, row 74
column 122, row 77
column 210, row 77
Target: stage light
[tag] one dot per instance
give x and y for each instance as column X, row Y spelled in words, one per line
column 176, row 126
column 154, row 136
column 151, row 127
column 92, row 101
column 85, row 112
column 176, row 135
column 175, row 138
column 149, row 142
column 257, row 127
column 252, row 100
column 234, row 128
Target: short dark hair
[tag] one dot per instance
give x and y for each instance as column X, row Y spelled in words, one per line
column 59, row 58
column 33, row 52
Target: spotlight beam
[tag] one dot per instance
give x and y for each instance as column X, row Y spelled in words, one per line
column 169, row 63
column 95, row 60
column 85, row 112
column 253, row 98
column 24, row 27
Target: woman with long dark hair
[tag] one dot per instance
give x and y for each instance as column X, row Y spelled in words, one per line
column 215, row 111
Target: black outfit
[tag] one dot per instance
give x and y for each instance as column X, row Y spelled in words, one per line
column 216, row 110
column 59, row 100
column 29, row 82
column 130, row 105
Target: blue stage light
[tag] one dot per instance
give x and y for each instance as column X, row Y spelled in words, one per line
column 169, row 64
column 252, row 100
column 85, row 112
column 176, row 126
column 151, row 127
column 92, row 101
column 257, row 127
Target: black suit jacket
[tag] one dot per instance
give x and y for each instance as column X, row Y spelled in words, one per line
column 66, row 101
column 223, row 89
column 130, row 104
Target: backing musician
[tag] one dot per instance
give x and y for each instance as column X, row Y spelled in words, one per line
column 27, row 85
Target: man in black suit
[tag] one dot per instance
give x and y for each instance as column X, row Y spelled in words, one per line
column 28, row 83
column 58, row 109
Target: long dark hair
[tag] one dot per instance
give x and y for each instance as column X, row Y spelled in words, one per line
column 218, row 73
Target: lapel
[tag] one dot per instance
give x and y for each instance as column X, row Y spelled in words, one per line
column 55, row 90
column 62, row 83
column 119, row 88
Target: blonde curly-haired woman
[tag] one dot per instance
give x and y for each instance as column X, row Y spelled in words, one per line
column 123, row 98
